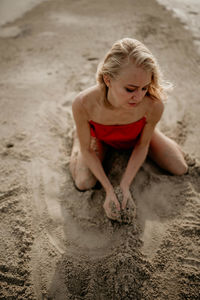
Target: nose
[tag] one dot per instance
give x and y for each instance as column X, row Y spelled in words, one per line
column 137, row 95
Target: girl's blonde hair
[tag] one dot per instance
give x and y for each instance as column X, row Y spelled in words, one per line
column 121, row 54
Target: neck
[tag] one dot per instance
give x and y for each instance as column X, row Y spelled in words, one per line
column 111, row 101
column 107, row 102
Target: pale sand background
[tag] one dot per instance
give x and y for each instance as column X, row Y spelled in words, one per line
column 56, row 242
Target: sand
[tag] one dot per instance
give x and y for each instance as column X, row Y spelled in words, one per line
column 56, row 242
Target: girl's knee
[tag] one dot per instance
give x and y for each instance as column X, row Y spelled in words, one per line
column 181, row 170
column 85, row 183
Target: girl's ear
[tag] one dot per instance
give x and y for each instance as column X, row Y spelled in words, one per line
column 106, row 79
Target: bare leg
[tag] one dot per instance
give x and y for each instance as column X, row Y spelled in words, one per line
column 83, row 177
column 167, row 154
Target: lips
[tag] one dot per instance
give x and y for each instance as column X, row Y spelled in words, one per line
column 132, row 103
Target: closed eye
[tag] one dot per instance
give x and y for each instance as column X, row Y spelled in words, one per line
column 129, row 90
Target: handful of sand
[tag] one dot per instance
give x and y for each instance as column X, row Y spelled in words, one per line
column 127, row 214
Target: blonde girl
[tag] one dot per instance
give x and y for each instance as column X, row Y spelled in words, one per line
column 122, row 111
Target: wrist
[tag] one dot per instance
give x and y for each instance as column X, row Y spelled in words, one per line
column 109, row 189
column 124, row 185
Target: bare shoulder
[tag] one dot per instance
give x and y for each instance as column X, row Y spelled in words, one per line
column 155, row 110
column 85, row 101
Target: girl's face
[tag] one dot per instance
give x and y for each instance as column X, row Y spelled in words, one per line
column 129, row 89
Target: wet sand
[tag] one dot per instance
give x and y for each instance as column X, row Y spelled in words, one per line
column 56, row 242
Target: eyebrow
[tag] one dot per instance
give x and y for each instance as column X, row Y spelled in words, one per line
column 132, row 85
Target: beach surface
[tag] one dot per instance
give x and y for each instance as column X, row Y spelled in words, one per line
column 55, row 241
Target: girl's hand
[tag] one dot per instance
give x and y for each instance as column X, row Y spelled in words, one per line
column 125, row 195
column 127, row 201
column 112, row 206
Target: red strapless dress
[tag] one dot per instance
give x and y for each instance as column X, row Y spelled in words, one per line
column 118, row 136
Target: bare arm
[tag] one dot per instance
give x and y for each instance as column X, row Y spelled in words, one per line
column 83, row 131
column 92, row 160
column 140, row 151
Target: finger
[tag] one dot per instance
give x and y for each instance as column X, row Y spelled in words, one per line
column 124, row 202
column 111, row 216
column 109, row 213
column 117, row 205
column 114, row 212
